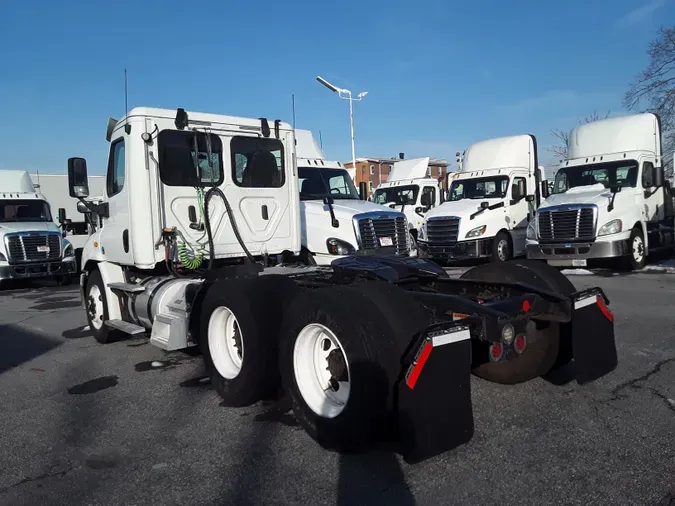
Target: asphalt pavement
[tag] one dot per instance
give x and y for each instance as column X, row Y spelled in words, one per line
column 126, row 423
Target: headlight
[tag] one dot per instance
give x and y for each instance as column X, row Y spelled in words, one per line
column 611, row 227
column 338, row 247
column 477, row 232
column 68, row 250
column 422, row 232
column 532, row 229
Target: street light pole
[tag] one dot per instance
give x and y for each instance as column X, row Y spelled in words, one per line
column 346, row 95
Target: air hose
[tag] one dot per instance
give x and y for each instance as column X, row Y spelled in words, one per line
column 207, row 223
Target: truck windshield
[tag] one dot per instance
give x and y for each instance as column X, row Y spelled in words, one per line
column 316, row 183
column 479, row 188
column 399, row 195
column 24, row 210
column 622, row 173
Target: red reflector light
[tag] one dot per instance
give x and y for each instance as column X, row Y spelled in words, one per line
column 416, row 369
column 526, row 306
column 496, row 351
column 520, row 343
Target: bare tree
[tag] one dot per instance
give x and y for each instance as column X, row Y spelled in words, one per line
column 562, row 137
column 653, row 89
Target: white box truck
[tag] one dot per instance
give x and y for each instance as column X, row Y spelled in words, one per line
column 31, row 244
column 490, row 203
column 335, row 218
column 371, row 345
column 610, row 199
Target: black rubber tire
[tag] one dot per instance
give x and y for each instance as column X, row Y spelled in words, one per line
column 258, row 304
column 306, row 257
column 501, row 238
column 104, row 334
column 64, row 280
column 630, row 263
column 374, row 346
column 540, row 355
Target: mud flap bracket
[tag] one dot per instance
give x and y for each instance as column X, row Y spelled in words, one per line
column 433, row 395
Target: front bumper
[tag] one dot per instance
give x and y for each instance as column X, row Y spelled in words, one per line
column 463, row 250
column 578, row 250
column 38, row 269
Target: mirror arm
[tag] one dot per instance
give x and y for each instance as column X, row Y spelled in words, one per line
column 103, row 210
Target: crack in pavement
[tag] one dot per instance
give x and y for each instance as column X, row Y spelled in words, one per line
column 617, row 392
column 54, row 472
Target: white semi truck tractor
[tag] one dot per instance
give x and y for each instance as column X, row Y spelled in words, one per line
column 336, row 220
column 200, row 212
column 610, row 199
column 490, row 203
column 31, row 244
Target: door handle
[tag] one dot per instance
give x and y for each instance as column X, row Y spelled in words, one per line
column 265, row 215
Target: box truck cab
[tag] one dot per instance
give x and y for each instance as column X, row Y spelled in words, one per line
column 410, row 191
column 609, row 198
column 335, row 220
column 31, row 244
column 490, row 203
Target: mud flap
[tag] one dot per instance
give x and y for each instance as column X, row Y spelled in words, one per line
column 433, row 395
column 592, row 332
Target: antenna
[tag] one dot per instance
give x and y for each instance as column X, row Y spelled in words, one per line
column 293, row 102
column 127, row 127
column 320, row 140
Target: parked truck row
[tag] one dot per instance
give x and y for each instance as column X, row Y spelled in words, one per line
column 204, row 238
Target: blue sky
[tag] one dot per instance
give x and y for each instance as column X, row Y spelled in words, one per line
column 440, row 74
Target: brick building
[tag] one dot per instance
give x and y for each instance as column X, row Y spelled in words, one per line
column 376, row 170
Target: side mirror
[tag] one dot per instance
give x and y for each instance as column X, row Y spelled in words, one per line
column 425, row 200
column 363, row 190
column 393, row 206
column 82, row 208
column 544, row 189
column 419, row 210
column 529, row 198
column 657, row 176
column 62, row 215
column 78, row 183
column 484, row 205
column 328, row 201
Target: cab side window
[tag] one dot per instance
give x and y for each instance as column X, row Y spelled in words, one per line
column 647, row 173
column 116, row 166
column 432, row 191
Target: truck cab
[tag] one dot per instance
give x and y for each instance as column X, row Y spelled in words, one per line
column 31, row 244
column 410, row 191
column 609, row 199
column 335, row 220
column 490, row 203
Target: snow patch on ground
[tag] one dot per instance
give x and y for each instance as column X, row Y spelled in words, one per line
column 577, row 272
column 667, row 266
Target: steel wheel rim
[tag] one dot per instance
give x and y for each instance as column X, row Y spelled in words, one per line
column 324, row 393
column 226, row 343
column 95, row 308
column 502, row 250
column 638, row 249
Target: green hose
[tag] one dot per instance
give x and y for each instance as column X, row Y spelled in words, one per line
column 189, row 257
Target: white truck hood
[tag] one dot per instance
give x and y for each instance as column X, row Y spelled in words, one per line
column 344, row 209
column 460, row 208
column 27, row 226
column 593, row 194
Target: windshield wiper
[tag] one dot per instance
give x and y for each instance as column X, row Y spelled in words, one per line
column 483, row 207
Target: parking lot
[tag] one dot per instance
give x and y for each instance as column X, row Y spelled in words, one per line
column 126, row 423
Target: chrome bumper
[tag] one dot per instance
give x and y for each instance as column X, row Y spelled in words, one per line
column 38, row 269
column 577, row 251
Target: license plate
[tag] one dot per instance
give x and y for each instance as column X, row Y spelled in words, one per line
column 43, row 249
column 386, row 241
column 579, row 263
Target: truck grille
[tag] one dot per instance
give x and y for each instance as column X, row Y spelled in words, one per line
column 442, row 231
column 33, row 247
column 567, row 225
column 377, row 232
